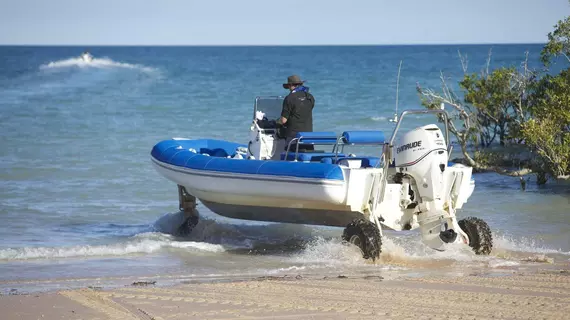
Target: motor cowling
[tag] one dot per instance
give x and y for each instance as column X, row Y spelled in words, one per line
column 422, row 154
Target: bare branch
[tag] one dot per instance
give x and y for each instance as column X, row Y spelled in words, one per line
column 525, row 63
column 488, row 64
column 464, row 61
column 459, row 110
column 432, row 96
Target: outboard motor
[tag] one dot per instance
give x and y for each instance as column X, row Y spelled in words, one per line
column 421, row 156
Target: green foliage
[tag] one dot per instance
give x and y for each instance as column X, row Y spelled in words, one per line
column 552, row 145
column 490, row 94
column 548, row 131
column 558, row 42
column 515, row 157
column 488, row 159
column 551, row 98
column 500, row 99
column 519, row 108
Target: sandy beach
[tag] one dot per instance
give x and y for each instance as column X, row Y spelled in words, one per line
column 90, row 227
column 537, row 295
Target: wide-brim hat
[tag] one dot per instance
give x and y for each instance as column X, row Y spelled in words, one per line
column 294, row 79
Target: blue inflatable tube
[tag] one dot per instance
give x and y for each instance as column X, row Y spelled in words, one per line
column 212, row 155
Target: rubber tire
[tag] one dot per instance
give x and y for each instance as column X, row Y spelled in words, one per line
column 367, row 234
column 186, row 228
column 479, row 233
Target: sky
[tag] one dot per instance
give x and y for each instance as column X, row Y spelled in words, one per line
column 267, row 22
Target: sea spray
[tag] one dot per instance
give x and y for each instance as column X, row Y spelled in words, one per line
column 100, row 63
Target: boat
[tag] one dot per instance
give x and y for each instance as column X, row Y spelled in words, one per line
column 403, row 184
column 86, row 56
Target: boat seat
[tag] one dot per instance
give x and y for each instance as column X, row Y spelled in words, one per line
column 216, row 152
column 362, row 162
column 363, row 137
column 309, row 156
column 316, row 137
column 311, row 138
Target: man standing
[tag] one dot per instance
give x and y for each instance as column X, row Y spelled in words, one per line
column 297, row 112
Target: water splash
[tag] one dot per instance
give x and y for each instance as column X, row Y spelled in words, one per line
column 329, row 252
column 408, row 252
column 509, row 244
column 101, row 63
column 303, row 246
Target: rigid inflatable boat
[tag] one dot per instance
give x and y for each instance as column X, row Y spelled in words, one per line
column 400, row 185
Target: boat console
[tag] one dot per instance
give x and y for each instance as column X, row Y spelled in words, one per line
column 268, row 143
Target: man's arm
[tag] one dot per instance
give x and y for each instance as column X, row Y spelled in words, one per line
column 285, row 112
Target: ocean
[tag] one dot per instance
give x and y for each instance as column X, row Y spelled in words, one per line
column 80, row 203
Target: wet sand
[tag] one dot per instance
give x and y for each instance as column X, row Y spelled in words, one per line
column 536, row 295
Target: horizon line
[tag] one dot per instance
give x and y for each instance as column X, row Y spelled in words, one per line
column 272, row 45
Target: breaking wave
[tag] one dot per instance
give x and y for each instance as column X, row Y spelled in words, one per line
column 140, row 244
column 310, row 248
column 524, row 245
column 100, row 63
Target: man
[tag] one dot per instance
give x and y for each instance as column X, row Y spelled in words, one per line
column 297, row 112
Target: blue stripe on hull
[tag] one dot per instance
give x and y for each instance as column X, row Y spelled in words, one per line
column 283, row 215
column 178, row 153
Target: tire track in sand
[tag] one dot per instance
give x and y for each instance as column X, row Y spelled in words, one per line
column 542, row 296
column 101, row 302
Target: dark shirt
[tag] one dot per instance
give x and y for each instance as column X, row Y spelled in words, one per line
column 298, row 110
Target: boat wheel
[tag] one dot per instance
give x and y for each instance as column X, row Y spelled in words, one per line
column 480, row 238
column 188, row 225
column 366, row 236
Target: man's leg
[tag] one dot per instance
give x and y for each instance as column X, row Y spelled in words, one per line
column 302, row 146
column 287, row 141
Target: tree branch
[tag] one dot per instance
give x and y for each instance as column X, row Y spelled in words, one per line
column 464, row 61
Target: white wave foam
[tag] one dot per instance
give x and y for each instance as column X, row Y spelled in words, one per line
column 524, row 245
column 408, row 251
column 142, row 243
column 95, row 63
column 330, row 253
column 503, row 263
column 282, row 270
column 379, row 118
column 198, row 245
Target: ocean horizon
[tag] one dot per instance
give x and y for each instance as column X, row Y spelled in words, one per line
column 278, row 44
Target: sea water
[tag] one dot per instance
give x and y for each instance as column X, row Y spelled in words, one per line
column 79, row 198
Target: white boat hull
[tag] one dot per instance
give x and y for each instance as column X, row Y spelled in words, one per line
column 265, row 198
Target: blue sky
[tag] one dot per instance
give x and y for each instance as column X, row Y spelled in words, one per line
column 259, row 22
